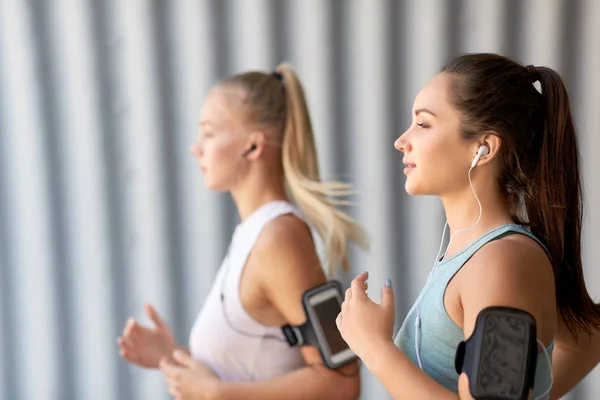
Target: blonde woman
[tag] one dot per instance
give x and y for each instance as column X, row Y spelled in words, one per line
column 256, row 142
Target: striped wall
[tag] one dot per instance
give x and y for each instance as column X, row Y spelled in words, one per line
column 102, row 209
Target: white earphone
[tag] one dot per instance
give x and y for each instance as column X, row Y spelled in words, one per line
column 482, row 151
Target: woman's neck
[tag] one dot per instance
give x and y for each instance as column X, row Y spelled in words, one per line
column 463, row 215
column 253, row 194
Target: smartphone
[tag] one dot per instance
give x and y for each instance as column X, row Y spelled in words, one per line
column 322, row 305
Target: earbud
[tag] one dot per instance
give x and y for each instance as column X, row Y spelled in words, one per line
column 482, row 151
column 248, row 151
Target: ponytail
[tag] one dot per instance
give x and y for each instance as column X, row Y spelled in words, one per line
column 556, row 207
column 276, row 102
column 538, row 162
column 317, row 199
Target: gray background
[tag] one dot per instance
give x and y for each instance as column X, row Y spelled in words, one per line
column 102, row 208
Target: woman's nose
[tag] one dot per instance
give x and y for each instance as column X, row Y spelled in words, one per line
column 195, row 149
column 402, row 144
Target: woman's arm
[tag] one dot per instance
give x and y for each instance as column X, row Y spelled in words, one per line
column 403, row 379
column 190, row 379
column 367, row 327
column 503, row 273
column 573, row 359
column 315, row 382
column 512, row 272
column 289, row 266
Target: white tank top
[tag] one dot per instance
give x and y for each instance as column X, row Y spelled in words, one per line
column 224, row 336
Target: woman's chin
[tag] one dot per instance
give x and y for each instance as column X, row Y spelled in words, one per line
column 414, row 190
column 410, row 188
column 209, row 184
column 215, row 186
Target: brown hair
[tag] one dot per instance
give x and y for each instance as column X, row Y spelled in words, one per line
column 539, row 162
column 277, row 102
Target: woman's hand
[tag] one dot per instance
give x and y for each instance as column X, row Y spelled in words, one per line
column 363, row 324
column 189, row 379
column 147, row 346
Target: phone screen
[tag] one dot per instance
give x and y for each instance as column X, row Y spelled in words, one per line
column 327, row 312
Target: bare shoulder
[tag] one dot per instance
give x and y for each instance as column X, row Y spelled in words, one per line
column 286, row 237
column 513, row 271
column 513, row 258
column 285, row 230
column 286, row 253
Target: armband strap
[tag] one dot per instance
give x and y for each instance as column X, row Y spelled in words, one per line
column 500, row 356
column 300, row 335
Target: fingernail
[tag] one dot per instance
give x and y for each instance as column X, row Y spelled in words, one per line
column 388, row 283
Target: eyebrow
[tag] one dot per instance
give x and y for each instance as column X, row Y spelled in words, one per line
column 420, row 110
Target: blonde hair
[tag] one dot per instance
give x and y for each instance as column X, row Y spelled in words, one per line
column 277, row 102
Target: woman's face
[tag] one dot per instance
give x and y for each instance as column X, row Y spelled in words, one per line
column 436, row 158
column 221, row 142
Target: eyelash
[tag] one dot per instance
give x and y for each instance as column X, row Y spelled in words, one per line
column 422, row 125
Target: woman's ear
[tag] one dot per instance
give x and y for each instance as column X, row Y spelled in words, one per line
column 493, row 144
column 255, row 145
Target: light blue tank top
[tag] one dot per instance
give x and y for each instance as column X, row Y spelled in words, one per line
column 439, row 335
